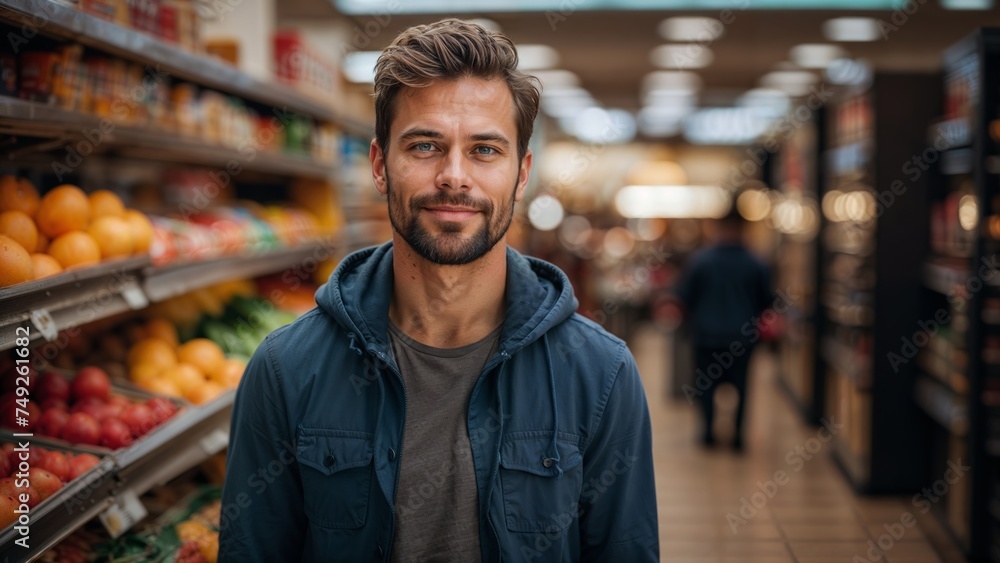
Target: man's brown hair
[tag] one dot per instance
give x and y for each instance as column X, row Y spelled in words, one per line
column 449, row 50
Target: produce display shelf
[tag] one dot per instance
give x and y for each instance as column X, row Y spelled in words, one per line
column 79, row 502
column 23, row 117
column 59, row 20
column 70, row 299
column 189, row 438
column 942, row 405
column 168, row 281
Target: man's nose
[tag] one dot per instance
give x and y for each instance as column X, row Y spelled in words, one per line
column 454, row 171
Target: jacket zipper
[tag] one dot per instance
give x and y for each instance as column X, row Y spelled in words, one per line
column 493, row 474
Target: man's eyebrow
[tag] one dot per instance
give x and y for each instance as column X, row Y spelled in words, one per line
column 415, row 133
column 491, row 136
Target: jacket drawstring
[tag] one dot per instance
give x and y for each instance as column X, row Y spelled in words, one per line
column 555, row 407
column 354, row 344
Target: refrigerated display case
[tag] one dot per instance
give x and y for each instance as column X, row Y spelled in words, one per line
column 871, row 250
column 959, row 381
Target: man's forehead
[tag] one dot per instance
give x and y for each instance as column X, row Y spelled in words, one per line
column 468, row 101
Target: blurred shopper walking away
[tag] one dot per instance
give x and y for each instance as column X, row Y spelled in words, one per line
column 724, row 289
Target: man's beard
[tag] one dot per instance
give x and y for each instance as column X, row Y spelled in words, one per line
column 450, row 247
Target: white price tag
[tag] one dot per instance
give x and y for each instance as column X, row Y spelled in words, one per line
column 123, row 514
column 135, row 297
column 45, row 324
column 215, row 441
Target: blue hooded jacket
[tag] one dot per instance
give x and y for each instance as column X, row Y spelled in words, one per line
column 558, row 424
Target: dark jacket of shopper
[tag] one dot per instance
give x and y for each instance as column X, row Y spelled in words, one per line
column 725, row 288
column 557, row 420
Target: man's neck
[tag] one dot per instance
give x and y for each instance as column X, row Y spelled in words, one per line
column 447, row 306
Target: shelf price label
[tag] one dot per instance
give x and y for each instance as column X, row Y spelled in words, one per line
column 45, row 324
column 127, row 511
column 135, row 297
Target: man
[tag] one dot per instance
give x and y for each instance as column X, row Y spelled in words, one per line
column 443, row 402
column 724, row 288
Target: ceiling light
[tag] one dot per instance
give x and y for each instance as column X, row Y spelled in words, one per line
column 848, row 72
column 851, row 29
column 566, row 102
column 598, row 125
column 754, row 205
column 967, row 4
column 641, row 201
column 766, row 102
column 360, row 66
column 536, row 57
column 556, row 79
column 792, row 82
column 672, row 80
column 691, row 29
column 815, row 55
column 545, row 213
column 681, row 56
column 724, row 126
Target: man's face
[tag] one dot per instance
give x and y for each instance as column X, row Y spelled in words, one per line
column 451, row 171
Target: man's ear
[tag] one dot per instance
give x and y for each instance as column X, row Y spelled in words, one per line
column 522, row 177
column 377, row 158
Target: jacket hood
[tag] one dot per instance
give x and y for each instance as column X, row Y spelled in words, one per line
column 538, row 296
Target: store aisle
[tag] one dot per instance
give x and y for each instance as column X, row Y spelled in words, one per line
column 814, row 517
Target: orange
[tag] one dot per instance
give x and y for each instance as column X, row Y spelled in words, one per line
column 113, row 235
column 186, row 377
column 230, row 373
column 152, row 351
column 45, row 266
column 75, row 249
column 15, row 262
column 104, row 202
column 163, row 329
column 142, row 373
column 18, row 195
column 204, row 392
column 43, row 243
column 142, row 230
column 19, row 226
column 203, row 354
column 64, row 209
column 162, row 385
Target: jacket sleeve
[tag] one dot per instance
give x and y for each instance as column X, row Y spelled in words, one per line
column 618, row 520
column 262, row 515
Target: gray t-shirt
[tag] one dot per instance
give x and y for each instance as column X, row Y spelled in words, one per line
column 437, row 502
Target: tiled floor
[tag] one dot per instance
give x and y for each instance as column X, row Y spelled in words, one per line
column 716, row 506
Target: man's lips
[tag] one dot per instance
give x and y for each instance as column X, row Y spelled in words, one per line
column 452, row 212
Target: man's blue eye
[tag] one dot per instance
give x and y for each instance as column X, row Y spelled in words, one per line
column 424, row 147
column 486, row 150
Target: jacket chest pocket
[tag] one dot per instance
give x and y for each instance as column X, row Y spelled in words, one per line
column 336, row 469
column 536, row 498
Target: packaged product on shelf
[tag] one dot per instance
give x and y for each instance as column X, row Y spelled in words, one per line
column 8, row 75
column 37, row 75
column 186, row 109
column 111, row 10
column 67, row 86
column 144, row 15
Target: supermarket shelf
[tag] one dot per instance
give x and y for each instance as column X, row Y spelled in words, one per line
column 66, row 22
column 168, row 281
column 192, row 437
column 943, row 279
column 74, row 505
column 942, row 405
column 843, row 361
column 36, row 119
column 70, row 299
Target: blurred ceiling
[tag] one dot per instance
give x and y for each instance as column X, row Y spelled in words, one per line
column 610, row 50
